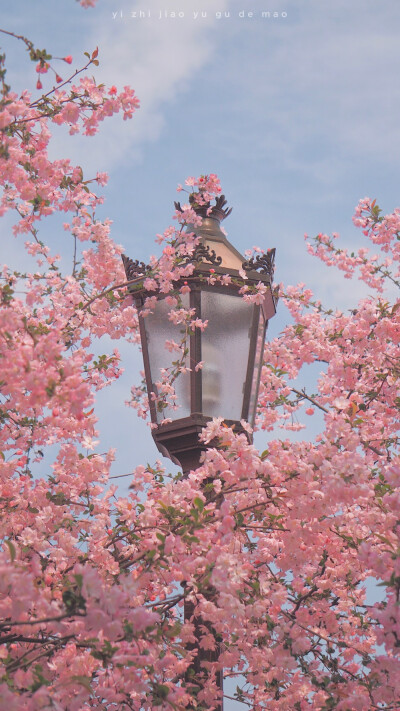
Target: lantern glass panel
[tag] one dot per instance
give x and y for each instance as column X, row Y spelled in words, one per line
column 225, row 345
column 159, row 329
column 257, row 366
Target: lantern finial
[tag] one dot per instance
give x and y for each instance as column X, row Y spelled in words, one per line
column 205, row 209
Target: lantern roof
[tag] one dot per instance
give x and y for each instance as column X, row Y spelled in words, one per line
column 213, row 250
column 212, row 238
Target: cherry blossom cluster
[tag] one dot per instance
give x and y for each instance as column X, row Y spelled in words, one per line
column 273, row 552
column 382, row 231
column 208, row 186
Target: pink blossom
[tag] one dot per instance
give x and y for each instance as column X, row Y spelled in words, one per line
column 272, row 551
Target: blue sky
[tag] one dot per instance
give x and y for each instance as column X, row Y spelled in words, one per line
column 297, row 114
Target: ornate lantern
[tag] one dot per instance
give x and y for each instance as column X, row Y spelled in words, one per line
column 230, row 347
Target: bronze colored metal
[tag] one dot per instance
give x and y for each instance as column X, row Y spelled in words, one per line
column 219, row 211
column 196, row 674
column 179, row 438
column 134, row 268
column 250, row 364
column 265, row 263
column 196, row 384
column 203, row 253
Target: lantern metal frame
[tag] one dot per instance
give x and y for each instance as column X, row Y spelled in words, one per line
column 179, row 439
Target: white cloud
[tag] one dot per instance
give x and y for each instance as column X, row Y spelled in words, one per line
column 159, row 58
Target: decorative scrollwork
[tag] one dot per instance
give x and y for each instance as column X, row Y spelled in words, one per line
column 178, row 206
column 263, row 263
column 134, row 268
column 203, row 253
column 220, row 203
column 218, row 210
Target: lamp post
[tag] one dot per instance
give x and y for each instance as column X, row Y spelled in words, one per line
column 230, row 348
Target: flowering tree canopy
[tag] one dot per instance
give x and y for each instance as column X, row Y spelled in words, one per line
column 92, row 584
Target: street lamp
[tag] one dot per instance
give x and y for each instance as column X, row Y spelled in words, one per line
column 230, row 350
column 230, row 347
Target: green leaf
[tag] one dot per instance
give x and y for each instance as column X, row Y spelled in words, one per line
column 79, row 580
column 199, row 503
column 384, row 540
column 59, row 499
column 12, row 550
column 239, row 520
column 161, row 692
column 82, row 680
